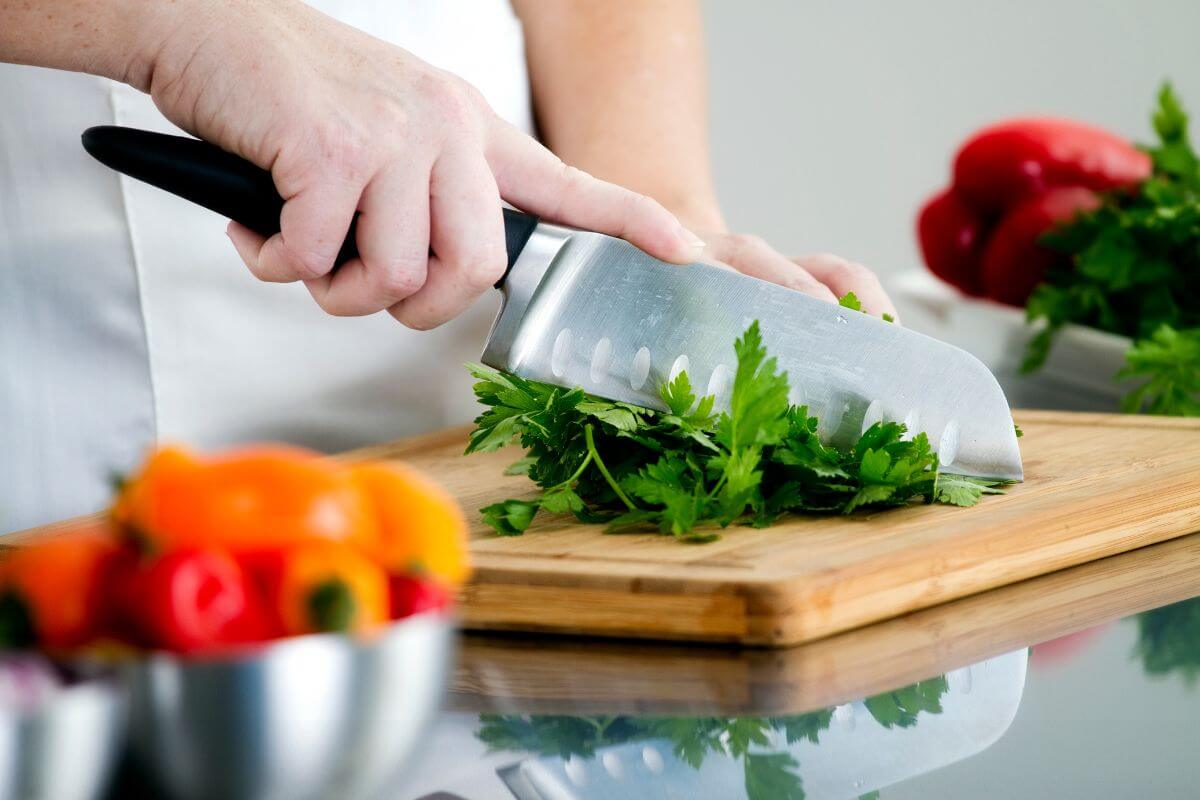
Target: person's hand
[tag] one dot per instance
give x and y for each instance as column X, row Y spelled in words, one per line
column 346, row 123
column 824, row 276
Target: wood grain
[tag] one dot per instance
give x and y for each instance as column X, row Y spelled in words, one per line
column 1096, row 485
column 528, row 674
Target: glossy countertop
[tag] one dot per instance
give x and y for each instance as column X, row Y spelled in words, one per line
column 1082, row 683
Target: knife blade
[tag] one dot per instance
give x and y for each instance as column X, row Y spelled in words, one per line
column 582, row 309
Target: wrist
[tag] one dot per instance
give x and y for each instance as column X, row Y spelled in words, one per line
column 160, row 36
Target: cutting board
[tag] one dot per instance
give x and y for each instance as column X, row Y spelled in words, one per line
column 1096, row 485
column 531, row 674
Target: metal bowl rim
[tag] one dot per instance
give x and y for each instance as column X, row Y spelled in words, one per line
column 440, row 618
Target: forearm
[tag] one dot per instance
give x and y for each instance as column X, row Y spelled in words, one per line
column 113, row 38
column 620, row 91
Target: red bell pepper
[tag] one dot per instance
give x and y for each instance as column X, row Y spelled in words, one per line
column 1005, row 164
column 1013, row 182
column 952, row 235
column 411, row 595
column 1013, row 262
column 191, row 600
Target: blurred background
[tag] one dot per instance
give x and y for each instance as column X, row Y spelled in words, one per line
column 833, row 120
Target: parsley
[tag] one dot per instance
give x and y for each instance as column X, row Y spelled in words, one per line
column 850, row 300
column 690, row 471
column 1170, row 362
column 1134, row 270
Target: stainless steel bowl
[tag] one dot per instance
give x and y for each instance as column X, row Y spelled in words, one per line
column 64, row 746
column 311, row 717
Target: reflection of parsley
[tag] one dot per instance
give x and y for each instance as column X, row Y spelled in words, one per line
column 1169, row 640
column 1135, row 271
column 772, row 776
column 767, row 775
column 689, row 471
column 900, row 708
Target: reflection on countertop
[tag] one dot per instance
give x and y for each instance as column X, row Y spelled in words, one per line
column 1077, row 684
column 848, row 750
column 1168, row 640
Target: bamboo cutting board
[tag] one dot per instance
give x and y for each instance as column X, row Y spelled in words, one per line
column 1096, row 485
column 530, row 674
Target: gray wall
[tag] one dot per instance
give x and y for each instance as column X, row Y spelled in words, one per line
column 833, row 119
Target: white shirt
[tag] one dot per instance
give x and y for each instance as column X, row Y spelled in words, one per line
column 126, row 317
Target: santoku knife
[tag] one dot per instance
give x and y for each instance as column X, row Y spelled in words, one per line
column 589, row 310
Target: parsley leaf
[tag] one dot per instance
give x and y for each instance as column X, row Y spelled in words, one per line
column 1170, row 362
column 688, row 471
column 850, row 300
column 759, row 401
column 510, row 517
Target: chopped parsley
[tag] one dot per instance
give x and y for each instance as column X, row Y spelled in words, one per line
column 690, row 471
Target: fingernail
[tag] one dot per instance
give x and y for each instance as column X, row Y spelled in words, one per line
column 692, row 239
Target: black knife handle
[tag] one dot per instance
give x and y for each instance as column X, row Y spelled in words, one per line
column 231, row 186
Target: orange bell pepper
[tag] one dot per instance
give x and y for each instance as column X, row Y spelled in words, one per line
column 421, row 529
column 322, row 587
column 244, row 500
column 52, row 591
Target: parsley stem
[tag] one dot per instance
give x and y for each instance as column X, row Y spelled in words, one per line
column 579, row 471
column 595, row 455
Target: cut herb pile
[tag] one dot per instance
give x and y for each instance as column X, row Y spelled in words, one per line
column 688, row 470
column 1135, row 270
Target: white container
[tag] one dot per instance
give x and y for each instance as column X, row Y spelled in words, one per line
column 1078, row 375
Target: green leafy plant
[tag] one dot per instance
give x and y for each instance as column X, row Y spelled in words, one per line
column 1169, row 361
column 767, row 774
column 1134, row 270
column 688, row 470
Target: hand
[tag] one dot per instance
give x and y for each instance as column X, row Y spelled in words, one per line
column 823, row 276
column 348, row 123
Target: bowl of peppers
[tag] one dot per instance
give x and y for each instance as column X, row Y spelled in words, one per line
column 281, row 622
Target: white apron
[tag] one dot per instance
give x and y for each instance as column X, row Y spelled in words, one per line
column 126, row 316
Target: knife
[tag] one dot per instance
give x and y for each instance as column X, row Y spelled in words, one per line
column 589, row 310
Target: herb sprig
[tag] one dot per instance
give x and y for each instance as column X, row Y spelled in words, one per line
column 689, row 471
column 1135, row 270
